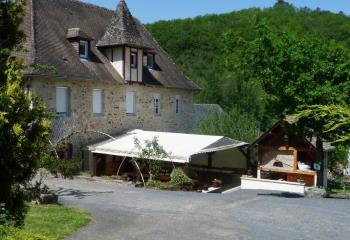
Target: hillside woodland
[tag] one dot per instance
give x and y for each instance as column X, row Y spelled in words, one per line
column 261, row 64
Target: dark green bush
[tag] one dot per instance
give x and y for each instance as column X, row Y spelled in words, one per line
column 152, row 183
column 11, row 233
column 5, row 216
column 179, row 178
column 56, row 166
column 14, row 210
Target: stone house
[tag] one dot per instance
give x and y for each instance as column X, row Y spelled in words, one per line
column 101, row 71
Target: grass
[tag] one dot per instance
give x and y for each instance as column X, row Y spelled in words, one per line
column 55, row 221
column 340, row 191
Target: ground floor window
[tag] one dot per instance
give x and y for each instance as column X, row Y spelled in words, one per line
column 130, row 102
column 97, row 102
column 156, row 102
column 62, row 101
column 177, row 104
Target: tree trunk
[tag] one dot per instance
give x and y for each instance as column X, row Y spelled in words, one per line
column 320, row 160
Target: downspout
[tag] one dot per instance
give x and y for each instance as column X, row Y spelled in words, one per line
column 320, row 159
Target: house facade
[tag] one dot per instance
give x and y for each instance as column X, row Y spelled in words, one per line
column 102, row 73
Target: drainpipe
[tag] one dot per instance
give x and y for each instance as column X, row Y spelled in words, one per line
column 321, row 161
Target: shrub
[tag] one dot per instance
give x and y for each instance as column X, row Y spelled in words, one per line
column 179, row 178
column 35, row 189
column 5, row 216
column 152, row 183
column 67, row 168
column 11, row 233
column 14, row 210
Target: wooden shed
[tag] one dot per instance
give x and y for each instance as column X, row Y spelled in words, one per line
column 285, row 156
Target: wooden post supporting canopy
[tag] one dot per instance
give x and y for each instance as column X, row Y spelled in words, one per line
column 210, row 159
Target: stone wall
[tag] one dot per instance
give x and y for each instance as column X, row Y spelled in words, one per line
column 115, row 120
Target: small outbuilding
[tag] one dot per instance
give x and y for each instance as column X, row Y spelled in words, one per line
column 284, row 156
column 203, row 157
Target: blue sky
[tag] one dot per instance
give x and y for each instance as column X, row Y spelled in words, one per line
column 153, row 10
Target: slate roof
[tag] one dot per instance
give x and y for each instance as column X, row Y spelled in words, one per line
column 77, row 33
column 327, row 146
column 46, row 25
column 224, row 143
column 122, row 30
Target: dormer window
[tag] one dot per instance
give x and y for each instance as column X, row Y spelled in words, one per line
column 83, row 49
column 150, row 60
column 133, row 60
column 80, row 41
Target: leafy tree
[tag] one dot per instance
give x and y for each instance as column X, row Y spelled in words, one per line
column 235, row 124
column 11, row 16
column 338, row 160
column 23, row 125
column 204, row 54
column 295, row 71
column 332, row 122
column 152, row 152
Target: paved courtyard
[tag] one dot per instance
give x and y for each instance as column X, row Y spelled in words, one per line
column 124, row 212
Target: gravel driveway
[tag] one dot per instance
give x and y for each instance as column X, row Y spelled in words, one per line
column 124, row 212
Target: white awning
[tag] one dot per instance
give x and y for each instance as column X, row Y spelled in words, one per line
column 180, row 147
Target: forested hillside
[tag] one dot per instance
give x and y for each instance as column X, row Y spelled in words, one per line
column 203, row 49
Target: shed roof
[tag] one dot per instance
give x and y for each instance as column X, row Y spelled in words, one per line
column 327, row 146
column 180, row 147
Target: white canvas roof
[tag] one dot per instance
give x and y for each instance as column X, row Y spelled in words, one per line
column 180, row 147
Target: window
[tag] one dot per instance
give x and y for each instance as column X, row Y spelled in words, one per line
column 133, row 60
column 83, row 49
column 130, row 103
column 62, row 101
column 177, row 104
column 97, row 102
column 156, row 101
column 150, row 60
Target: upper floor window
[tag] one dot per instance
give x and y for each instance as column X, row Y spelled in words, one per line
column 97, row 102
column 177, row 104
column 130, row 102
column 156, row 102
column 150, row 60
column 83, row 49
column 62, row 101
column 133, row 60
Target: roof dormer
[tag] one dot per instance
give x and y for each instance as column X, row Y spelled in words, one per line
column 123, row 44
column 80, row 41
column 122, row 30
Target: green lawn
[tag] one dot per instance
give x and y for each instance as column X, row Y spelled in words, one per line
column 337, row 190
column 55, row 221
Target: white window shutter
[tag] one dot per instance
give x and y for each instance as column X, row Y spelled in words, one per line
column 97, row 96
column 130, row 102
column 62, row 98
